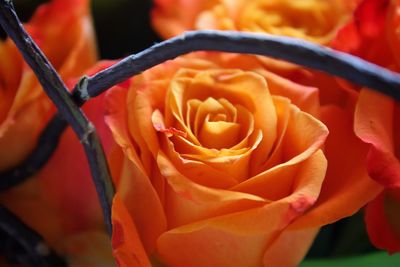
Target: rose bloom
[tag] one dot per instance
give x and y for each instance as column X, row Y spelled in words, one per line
column 373, row 35
column 63, row 30
column 222, row 163
column 313, row 20
column 60, row 199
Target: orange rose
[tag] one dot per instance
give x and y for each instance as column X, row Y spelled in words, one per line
column 222, row 165
column 373, row 35
column 63, row 31
column 313, row 20
column 60, row 199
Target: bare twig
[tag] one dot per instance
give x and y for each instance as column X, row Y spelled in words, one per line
column 25, row 244
column 293, row 50
column 58, row 93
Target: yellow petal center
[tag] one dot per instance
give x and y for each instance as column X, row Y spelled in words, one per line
column 219, row 134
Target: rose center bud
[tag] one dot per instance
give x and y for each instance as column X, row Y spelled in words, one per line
column 219, row 134
column 210, row 119
column 209, row 123
column 215, row 123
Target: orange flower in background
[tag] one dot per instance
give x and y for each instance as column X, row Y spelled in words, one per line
column 373, row 35
column 63, row 30
column 222, row 165
column 312, row 20
column 60, row 200
column 62, row 191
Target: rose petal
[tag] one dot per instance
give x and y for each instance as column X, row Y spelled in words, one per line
column 366, row 36
column 346, row 170
column 375, row 126
column 187, row 201
column 165, row 13
column 15, row 142
column 134, row 181
column 199, row 170
column 289, row 248
column 68, row 21
column 141, row 104
column 148, row 213
column 306, row 98
column 277, row 178
column 127, row 247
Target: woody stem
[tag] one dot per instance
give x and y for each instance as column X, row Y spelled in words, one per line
column 293, row 50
